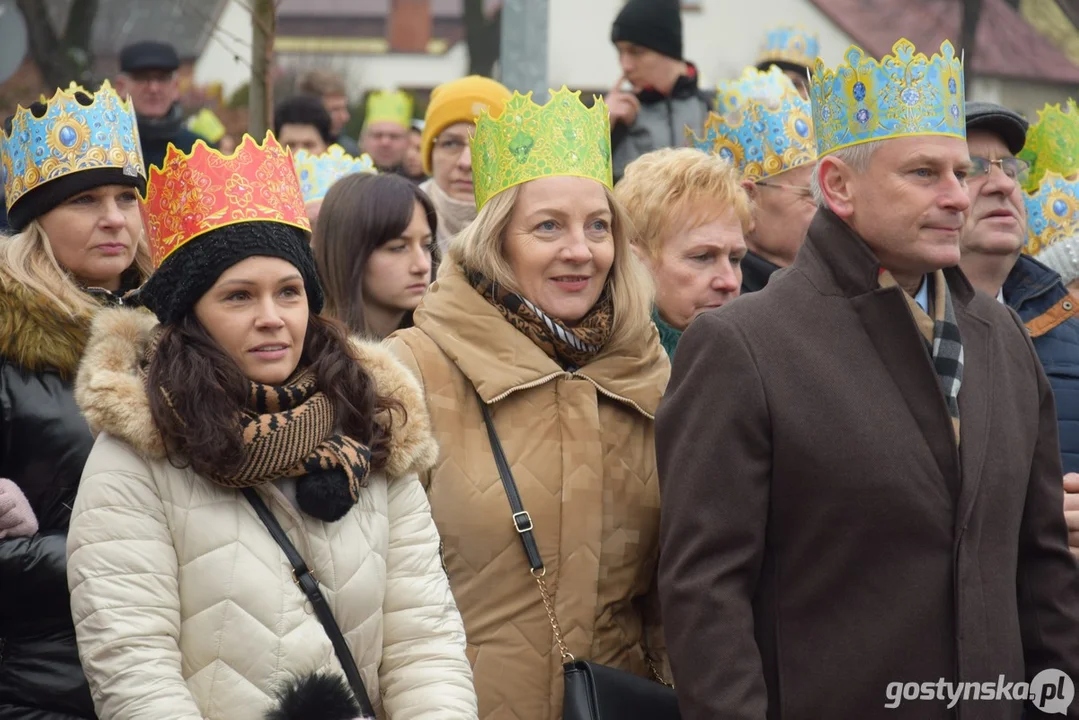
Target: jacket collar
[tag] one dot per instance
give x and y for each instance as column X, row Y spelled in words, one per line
column 36, row 335
column 685, row 86
column 837, row 261
column 755, row 272
column 498, row 360
column 113, row 397
column 1027, row 280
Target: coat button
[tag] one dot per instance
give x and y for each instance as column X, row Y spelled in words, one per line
column 1067, row 305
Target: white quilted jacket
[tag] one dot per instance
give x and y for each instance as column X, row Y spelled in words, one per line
column 184, row 606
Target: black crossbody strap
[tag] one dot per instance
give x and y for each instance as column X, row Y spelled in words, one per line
column 521, row 519
column 307, row 582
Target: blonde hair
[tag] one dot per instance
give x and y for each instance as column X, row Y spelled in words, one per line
column 320, row 82
column 27, row 260
column 478, row 248
column 675, row 188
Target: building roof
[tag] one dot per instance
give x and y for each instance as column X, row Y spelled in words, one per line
column 187, row 24
column 1006, row 45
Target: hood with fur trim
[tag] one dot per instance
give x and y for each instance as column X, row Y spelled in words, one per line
column 113, row 397
column 36, row 335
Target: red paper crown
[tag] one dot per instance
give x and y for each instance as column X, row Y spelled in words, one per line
column 192, row 194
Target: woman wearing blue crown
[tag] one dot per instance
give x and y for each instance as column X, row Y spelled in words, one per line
column 536, row 343
column 72, row 170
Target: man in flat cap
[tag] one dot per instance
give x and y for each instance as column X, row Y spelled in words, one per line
column 148, row 75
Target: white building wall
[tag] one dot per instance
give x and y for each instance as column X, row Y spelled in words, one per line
column 231, row 38
column 721, row 38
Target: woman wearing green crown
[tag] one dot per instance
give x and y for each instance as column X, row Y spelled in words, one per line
column 72, row 170
column 539, row 324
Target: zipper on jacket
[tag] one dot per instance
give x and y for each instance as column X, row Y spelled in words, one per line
column 670, row 123
column 612, row 396
column 527, row 386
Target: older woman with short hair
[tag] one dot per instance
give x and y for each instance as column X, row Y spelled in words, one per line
column 690, row 216
column 539, row 320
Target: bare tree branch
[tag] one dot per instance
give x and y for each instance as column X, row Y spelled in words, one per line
column 60, row 59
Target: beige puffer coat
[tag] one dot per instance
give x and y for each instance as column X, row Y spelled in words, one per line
column 582, row 454
column 184, row 605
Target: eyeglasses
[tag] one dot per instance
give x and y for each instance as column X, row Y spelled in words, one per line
column 452, row 146
column 1013, row 167
column 800, row 190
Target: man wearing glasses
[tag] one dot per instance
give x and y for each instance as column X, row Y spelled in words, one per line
column 148, row 75
column 993, row 261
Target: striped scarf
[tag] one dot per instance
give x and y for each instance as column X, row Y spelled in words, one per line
column 569, row 346
column 290, row 431
column 942, row 339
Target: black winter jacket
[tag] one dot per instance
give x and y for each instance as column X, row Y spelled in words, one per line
column 44, row 443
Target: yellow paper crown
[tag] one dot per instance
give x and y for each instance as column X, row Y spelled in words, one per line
column 1052, row 144
column 68, row 138
column 207, row 125
column 904, row 94
column 389, row 106
column 529, row 141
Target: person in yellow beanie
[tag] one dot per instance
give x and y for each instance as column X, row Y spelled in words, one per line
column 451, row 117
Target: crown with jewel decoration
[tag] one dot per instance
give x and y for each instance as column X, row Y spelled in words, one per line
column 1052, row 143
column 1052, row 214
column 752, row 84
column 389, row 106
column 319, row 172
column 767, row 129
column 903, row 94
column 194, row 193
column 789, row 45
column 528, row 141
column 68, row 138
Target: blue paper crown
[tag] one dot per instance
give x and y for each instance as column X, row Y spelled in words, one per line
column 768, row 131
column 68, row 138
column 789, row 45
column 904, row 94
column 1052, row 213
column 319, row 172
column 753, row 84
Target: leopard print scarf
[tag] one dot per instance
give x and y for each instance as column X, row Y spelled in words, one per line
column 569, row 346
column 290, row 431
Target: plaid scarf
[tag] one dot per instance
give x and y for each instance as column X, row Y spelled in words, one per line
column 289, row 431
column 568, row 346
column 942, row 339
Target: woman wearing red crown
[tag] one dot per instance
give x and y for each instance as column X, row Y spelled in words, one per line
column 72, row 171
column 250, row 517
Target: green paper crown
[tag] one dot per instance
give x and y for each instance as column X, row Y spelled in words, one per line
column 529, row 141
column 1052, row 144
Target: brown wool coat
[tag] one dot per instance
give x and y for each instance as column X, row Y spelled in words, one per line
column 581, row 448
column 821, row 534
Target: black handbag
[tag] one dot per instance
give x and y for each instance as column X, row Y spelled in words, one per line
column 305, row 579
column 592, row 691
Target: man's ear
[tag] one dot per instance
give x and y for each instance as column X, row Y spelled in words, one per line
column 836, row 182
column 751, row 189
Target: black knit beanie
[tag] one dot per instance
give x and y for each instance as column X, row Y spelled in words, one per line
column 652, row 24
column 187, row 274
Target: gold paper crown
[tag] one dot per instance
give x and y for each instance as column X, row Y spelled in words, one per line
column 68, row 138
column 529, row 141
column 194, row 193
column 904, row 94
column 389, row 106
column 766, row 128
column 1052, row 144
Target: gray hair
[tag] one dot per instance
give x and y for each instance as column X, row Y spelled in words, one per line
column 857, row 157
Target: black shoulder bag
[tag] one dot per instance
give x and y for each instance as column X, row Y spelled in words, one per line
column 307, row 582
column 592, row 691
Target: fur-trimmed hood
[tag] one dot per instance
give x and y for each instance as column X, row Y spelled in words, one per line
column 36, row 335
column 113, row 397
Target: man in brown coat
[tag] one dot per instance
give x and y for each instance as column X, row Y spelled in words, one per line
column 860, row 474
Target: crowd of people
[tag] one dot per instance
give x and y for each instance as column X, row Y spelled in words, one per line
column 760, row 403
